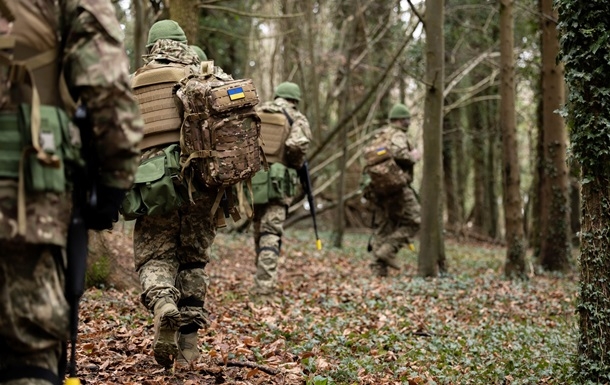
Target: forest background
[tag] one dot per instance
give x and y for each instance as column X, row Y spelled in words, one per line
column 487, row 94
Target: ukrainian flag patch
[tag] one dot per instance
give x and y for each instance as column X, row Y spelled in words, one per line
column 236, row 93
column 381, row 151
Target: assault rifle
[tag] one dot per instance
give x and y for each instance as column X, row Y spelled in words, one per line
column 83, row 195
column 303, row 174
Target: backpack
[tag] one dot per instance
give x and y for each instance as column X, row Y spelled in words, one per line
column 275, row 128
column 220, row 133
column 386, row 176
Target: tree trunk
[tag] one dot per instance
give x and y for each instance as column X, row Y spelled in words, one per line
column 513, row 215
column 583, row 26
column 431, row 252
column 186, row 13
column 555, row 209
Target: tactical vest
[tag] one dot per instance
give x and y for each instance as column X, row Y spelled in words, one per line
column 152, row 86
column 275, row 128
column 386, row 175
column 36, row 136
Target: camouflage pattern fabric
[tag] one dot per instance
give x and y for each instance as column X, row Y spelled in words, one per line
column 268, row 227
column 298, row 140
column 171, row 252
column 166, row 51
column 33, row 311
column 398, row 214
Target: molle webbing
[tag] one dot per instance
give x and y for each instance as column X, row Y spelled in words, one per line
column 153, row 90
column 274, row 132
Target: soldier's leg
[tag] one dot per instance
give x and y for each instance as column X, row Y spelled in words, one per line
column 383, row 249
column 155, row 243
column 270, row 240
column 197, row 233
column 34, row 314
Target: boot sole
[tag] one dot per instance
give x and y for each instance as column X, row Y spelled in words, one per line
column 165, row 346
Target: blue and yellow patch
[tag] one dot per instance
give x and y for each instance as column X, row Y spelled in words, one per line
column 236, row 93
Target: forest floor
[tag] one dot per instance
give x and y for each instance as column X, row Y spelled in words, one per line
column 337, row 324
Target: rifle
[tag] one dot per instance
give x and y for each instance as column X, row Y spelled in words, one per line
column 83, row 194
column 303, row 174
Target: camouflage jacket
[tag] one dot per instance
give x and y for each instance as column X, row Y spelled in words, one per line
column 95, row 68
column 166, row 51
column 299, row 137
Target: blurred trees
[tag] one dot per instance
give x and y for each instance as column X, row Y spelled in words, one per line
column 354, row 59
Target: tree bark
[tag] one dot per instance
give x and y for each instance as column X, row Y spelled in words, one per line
column 432, row 252
column 513, row 215
column 555, row 208
column 186, row 13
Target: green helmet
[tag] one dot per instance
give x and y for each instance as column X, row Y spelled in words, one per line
column 288, row 90
column 165, row 29
column 399, row 111
column 200, row 53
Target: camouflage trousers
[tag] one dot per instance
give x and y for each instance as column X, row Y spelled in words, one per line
column 34, row 314
column 171, row 253
column 399, row 221
column 268, row 225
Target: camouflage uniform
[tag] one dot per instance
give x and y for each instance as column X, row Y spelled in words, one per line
column 34, row 320
column 269, row 218
column 171, row 252
column 399, row 214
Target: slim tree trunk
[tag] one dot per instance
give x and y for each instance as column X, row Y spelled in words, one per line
column 513, row 215
column 432, row 252
column 555, row 210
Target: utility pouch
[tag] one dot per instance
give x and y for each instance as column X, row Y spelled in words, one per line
column 276, row 184
column 10, row 145
column 158, row 188
column 55, row 139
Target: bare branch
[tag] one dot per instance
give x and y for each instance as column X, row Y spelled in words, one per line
column 421, row 19
column 248, row 14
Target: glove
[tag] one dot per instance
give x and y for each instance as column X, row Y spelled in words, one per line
column 103, row 215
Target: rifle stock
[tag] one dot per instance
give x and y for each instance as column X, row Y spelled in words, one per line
column 305, row 179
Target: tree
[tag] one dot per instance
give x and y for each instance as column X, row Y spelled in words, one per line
column 432, row 251
column 513, row 215
column 584, row 48
column 186, row 13
column 554, row 198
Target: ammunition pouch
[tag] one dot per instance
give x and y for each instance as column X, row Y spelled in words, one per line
column 58, row 139
column 278, row 183
column 158, row 188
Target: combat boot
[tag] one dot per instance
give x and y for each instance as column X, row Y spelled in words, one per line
column 188, row 348
column 379, row 269
column 167, row 321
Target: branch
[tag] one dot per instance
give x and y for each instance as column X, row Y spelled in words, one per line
column 466, row 69
column 252, row 15
column 348, row 117
column 421, row 19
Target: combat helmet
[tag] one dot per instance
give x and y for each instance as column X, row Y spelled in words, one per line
column 165, row 29
column 288, row 90
column 200, row 53
column 399, row 111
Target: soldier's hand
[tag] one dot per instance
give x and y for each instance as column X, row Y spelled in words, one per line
column 106, row 212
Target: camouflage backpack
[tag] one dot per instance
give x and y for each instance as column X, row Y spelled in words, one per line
column 386, row 176
column 220, row 133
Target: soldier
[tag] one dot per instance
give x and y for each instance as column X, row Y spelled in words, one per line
column 172, row 251
column 400, row 218
column 285, row 154
column 39, row 78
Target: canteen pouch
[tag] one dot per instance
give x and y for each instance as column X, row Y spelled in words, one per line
column 158, row 188
column 58, row 137
column 276, row 184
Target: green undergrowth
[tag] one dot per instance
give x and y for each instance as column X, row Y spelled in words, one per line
column 470, row 327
